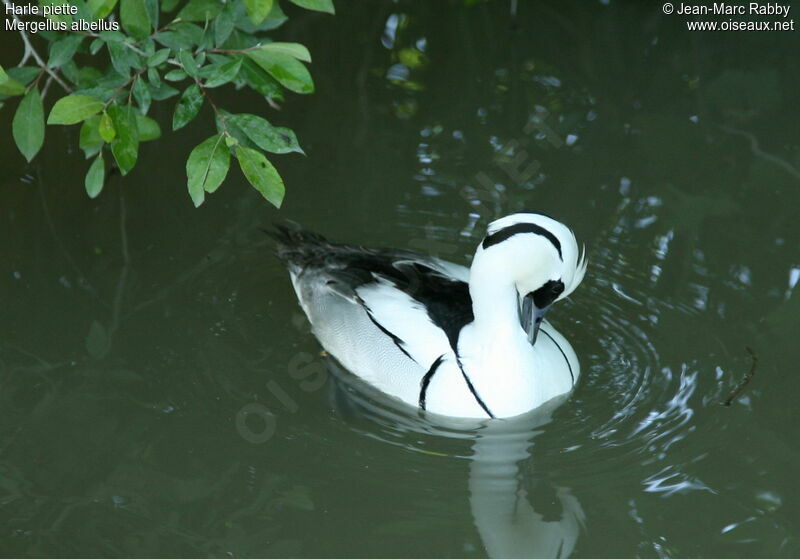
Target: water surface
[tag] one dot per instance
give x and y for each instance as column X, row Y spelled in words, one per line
column 161, row 395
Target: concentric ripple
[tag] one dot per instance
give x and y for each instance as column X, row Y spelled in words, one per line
column 631, row 408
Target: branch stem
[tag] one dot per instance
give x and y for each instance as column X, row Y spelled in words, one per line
column 31, row 51
column 745, row 381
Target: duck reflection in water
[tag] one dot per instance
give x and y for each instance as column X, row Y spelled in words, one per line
column 517, row 514
column 507, row 520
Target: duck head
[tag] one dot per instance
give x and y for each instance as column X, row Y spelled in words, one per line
column 536, row 254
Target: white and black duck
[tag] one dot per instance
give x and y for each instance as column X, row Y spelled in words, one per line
column 463, row 342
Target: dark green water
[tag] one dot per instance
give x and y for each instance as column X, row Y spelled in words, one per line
column 161, row 395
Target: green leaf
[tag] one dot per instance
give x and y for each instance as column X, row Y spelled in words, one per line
column 82, row 12
column 175, row 75
column 28, row 124
column 295, row 50
column 200, row 10
column 261, row 174
column 122, row 58
column 168, row 5
column 317, row 5
column 151, row 7
column 106, row 128
column 62, row 50
column 158, row 58
column 154, row 77
column 163, row 91
column 96, row 45
column 173, row 40
column 134, row 18
column 207, row 167
column 73, row 109
column 142, row 94
column 188, row 63
column 290, row 72
column 86, row 77
column 266, row 136
column 101, row 9
column 148, row 46
column 221, row 74
column 3, row 76
column 10, row 86
column 190, row 31
column 188, row 106
column 148, row 128
column 258, row 10
column 260, row 81
column 223, row 25
column 95, row 177
column 112, row 36
column 125, row 146
column 24, row 74
column 66, row 18
column 90, row 140
column 232, row 132
column 242, row 22
column 103, row 92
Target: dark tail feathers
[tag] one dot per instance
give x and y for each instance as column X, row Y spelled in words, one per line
column 295, row 245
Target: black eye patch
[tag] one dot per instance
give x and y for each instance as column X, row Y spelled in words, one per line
column 549, row 292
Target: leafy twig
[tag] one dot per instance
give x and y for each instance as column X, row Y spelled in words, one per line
column 30, row 51
column 134, row 49
column 207, row 96
column 745, row 381
column 46, row 86
column 234, row 51
column 98, row 92
column 131, row 81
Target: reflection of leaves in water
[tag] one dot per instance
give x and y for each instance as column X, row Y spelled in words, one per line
column 97, row 340
column 432, row 515
column 743, row 95
column 784, row 319
column 689, row 212
column 670, row 147
column 125, row 477
column 772, row 174
column 408, row 526
column 298, row 497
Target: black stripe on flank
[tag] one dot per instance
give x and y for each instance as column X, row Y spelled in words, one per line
column 507, row 232
column 472, row 389
column 397, row 341
column 564, row 355
column 426, row 380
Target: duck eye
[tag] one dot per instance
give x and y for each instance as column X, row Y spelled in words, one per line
column 549, row 292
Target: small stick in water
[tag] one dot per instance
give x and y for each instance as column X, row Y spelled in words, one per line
column 745, row 381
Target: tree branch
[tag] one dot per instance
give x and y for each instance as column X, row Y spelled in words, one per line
column 756, row 149
column 745, row 381
column 30, row 51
